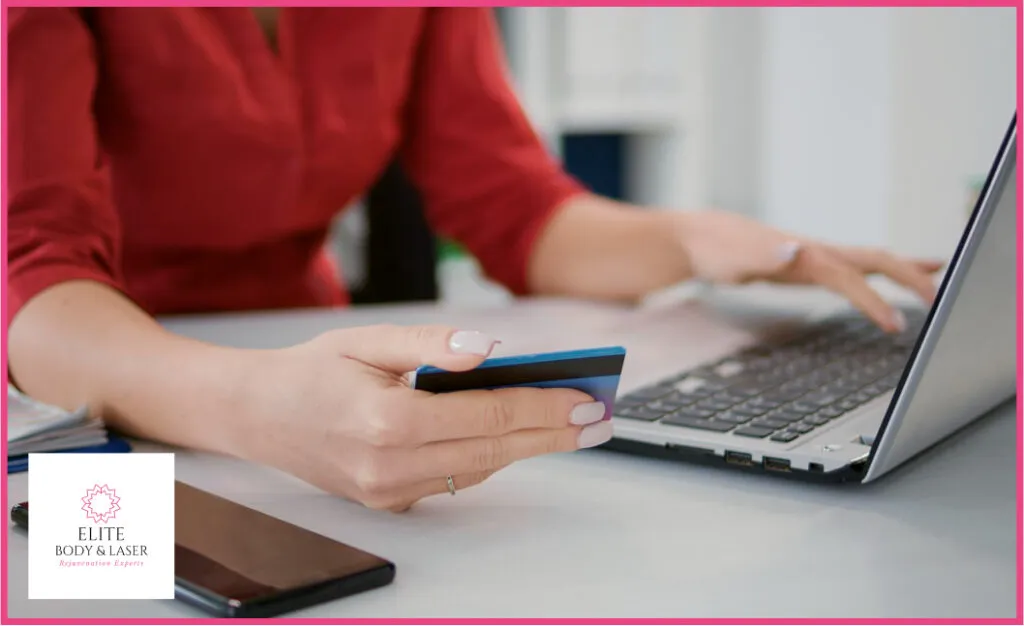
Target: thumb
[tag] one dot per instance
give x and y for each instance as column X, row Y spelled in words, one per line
column 401, row 349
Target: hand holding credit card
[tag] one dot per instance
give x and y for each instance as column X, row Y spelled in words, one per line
column 594, row 371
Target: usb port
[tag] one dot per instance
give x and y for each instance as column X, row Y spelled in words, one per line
column 738, row 458
column 776, row 465
column 690, row 449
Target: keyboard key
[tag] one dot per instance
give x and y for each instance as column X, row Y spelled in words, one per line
column 785, row 436
column 816, row 420
column 650, row 393
column 664, row 406
column 713, row 405
column 770, row 423
column 848, row 404
column 747, row 391
column 831, row 412
column 758, row 363
column 754, row 431
column 639, row 413
column 815, row 400
column 702, row 424
column 805, row 407
column 771, row 377
column 700, row 379
column 733, row 417
column 783, row 395
column 802, row 428
column 861, row 397
column 764, row 403
column 690, row 383
column 728, row 396
column 788, row 415
column 694, row 413
column 682, row 399
column 749, row 410
column 728, row 369
column 845, row 387
column 796, row 385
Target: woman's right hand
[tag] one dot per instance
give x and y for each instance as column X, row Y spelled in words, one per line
column 338, row 412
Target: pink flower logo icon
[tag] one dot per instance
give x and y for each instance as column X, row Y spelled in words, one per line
column 100, row 504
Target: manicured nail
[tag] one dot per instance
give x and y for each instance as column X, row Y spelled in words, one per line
column 471, row 342
column 587, row 413
column 899, row 321
column 595, row 434
column 787, row 251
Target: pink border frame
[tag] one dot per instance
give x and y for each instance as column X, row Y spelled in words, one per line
column 4, row 4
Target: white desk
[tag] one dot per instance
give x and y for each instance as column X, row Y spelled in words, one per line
column 598, row 534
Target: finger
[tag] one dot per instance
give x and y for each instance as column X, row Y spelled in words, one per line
column 492, row 413
column 903, row 272
column 401, row 349
column 410, row 495
column 928, row 266
column 468, row 456
column 819, row 265
column 925, row 265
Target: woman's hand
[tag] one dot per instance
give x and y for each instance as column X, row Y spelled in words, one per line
column 338, row 413
column 727, row 248
column 600, row 249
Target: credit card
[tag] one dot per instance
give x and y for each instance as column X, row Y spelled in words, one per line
column 594, row 371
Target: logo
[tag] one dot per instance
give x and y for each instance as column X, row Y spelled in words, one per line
column 102, row 526
column 101, row 504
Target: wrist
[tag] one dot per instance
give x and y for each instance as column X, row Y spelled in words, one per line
column 599, row 248
column 188, row 393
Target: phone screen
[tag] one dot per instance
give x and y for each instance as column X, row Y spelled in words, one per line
column 235, row 561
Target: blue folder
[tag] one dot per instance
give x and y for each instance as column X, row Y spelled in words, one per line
column 19, row 463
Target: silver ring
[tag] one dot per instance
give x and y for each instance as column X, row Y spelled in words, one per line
column 451, row 485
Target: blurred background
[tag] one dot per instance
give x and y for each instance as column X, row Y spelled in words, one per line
column 871, row 126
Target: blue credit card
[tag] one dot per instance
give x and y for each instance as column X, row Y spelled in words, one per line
column 594, row 371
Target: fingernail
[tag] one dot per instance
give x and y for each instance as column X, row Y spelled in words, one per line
column 471, row 342
column 595, row 434
column 587, row 413
column 899, row 321
column 787, row 251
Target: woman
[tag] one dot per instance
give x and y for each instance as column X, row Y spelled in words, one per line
column 167, row 160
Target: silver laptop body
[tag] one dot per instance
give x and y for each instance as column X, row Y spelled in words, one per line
column 956, row 362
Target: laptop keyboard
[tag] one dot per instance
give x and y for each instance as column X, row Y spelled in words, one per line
column 785, row 389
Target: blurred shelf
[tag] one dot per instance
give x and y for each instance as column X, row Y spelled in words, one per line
column 636, row 71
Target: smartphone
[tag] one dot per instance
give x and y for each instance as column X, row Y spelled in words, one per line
column 233, row 561
column 594, row 371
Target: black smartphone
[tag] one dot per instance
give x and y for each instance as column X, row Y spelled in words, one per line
column 233, row 561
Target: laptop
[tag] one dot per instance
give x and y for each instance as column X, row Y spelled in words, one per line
column 839, row 400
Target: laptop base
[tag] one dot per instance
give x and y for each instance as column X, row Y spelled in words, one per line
column 853, row 473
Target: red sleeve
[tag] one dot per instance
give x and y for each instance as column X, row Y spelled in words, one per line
column 486, row 179
column 60, row 222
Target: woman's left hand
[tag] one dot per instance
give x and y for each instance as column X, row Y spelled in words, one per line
column 727, row 248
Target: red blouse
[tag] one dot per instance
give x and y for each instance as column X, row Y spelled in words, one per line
column 187, row 164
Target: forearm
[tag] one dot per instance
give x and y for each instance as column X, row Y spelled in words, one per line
column 81, row 342
column 597, row 248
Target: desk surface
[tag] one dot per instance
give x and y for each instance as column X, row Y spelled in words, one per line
column 599, row 534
